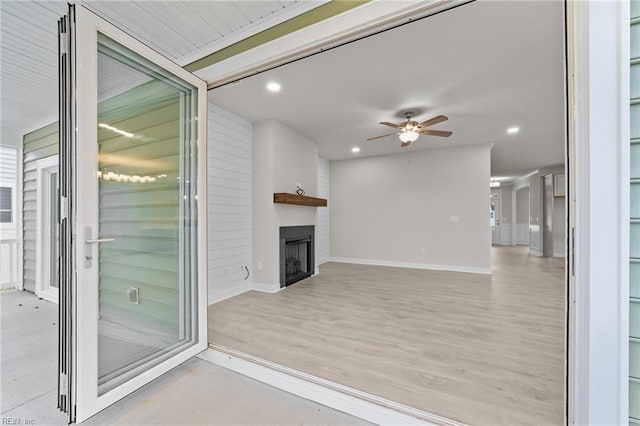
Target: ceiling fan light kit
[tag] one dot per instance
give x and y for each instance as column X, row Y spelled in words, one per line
column 409, row 136
column 409, row 131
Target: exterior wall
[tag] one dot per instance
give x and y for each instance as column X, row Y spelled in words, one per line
column 634, row 266
column 37, row 145
column 9, row 242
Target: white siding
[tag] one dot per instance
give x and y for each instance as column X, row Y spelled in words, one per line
column 8, row 232
column 39, row 144
column 323, row 229
column 229, row 191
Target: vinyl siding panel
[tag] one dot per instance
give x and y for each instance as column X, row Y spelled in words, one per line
column 142, row 217
column 229, row 198
column 37, row 145
column 634, row 249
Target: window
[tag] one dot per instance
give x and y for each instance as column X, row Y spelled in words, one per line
column 6, row 204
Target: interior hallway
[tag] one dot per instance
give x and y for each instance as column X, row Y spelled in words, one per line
column 476, row 348
column 195, row 392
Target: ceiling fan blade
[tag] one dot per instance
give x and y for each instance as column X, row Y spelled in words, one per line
column 434, row 120
column 382, row 136
column 405, row 144
column 386, row 123
column 442, row 133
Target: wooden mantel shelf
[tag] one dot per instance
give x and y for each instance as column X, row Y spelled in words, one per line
column 299, row 200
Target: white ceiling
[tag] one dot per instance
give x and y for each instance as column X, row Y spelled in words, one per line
column 180, row 30
column 487, row 65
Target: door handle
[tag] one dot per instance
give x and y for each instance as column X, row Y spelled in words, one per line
column 88, row 245
column 99, row 240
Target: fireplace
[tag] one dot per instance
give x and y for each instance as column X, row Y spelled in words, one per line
column 297, row 254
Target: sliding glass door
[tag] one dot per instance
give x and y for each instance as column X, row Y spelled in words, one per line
column 134, row 174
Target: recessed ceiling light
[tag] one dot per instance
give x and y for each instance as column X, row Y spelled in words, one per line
column 273, row 87
column 355, row 149
column 512, row 130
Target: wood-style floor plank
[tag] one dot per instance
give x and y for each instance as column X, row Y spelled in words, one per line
column 483, row 350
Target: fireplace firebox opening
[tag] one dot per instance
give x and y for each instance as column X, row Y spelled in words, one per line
column 297, row 254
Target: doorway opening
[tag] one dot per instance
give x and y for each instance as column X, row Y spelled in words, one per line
column 47, row 229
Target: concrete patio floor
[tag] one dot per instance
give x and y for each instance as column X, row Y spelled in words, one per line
column 196, row 392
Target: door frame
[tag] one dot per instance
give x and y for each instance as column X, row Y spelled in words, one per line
column 595, row 46
column 43, row 216
column 85, row 385
column 498, row 215
column 598, row 51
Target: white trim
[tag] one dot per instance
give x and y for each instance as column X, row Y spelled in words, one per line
column 267, row 288
column 227, row 293
column 559, row 254
column 599, row 118
column 392, row 263
column 43, row 266
column 361, row 20
column 343, row 398
column 535, row 252
column 322, row 261
column 11, row 227
column 246, row 32
column 9, row 285
column 39, row 125
column 20, row 227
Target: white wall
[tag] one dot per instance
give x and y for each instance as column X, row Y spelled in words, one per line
column 536, row 201
column 559, row 227
column 323, row 230
column 229, row 198
column 281, row 159
column 389, row 209
column 522, row 215
column 506, row 222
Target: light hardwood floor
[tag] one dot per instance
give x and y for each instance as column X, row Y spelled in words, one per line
column 483, row 350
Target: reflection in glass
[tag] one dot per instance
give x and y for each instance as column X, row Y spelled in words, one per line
column 146, row 136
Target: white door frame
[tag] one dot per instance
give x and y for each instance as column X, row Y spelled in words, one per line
column 43, row 218
column 598, row 198
column 498, row 216
column 598, row 168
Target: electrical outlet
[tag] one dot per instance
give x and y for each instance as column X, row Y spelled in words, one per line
column 133, row 293
column 422, row 251
column 259, row 265
column 454, row 218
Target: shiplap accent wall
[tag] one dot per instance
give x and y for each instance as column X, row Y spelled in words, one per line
column 9, row 268
column 324, row 225
column 230, row 139
column 40, row 144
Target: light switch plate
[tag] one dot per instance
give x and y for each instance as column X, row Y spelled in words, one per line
column 454, row 218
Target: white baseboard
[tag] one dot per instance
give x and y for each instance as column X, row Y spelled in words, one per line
column 559, row 254
column 343, row 398
column 10, row 285
column 450, row 268
column 325, row 260
column 233, row 290
column 266, row 288
column 535, row 252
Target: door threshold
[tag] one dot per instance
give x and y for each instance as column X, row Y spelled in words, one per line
column 342, row 398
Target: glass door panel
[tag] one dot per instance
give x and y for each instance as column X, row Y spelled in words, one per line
column 146, row 206
column 138, row 299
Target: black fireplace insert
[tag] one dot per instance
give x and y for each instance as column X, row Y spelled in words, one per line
column 297, row 254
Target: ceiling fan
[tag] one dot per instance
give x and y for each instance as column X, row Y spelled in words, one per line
column 409, row 130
